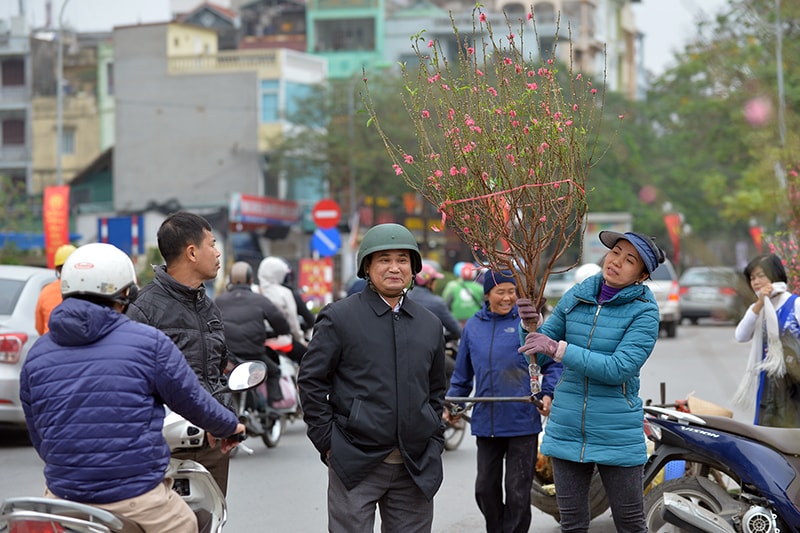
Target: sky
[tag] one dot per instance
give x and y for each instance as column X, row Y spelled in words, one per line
column 666, row 24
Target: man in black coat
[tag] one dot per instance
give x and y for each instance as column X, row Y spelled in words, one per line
column 372, row 387
column 244, row 313
column 176, row 303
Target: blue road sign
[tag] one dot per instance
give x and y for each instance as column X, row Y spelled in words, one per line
column 326, row 242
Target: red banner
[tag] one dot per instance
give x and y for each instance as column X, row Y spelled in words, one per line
column 673, row 222
column 55, row 215
column 755, row 234
column 316, row 280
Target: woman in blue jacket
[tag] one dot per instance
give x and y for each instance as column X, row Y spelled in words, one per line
column 602, row 331
column 488, row 355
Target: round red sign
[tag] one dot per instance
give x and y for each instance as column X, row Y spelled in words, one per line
column 326, row 214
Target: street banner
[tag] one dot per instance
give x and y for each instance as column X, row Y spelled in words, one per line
column 316, row 280
column 55, row 217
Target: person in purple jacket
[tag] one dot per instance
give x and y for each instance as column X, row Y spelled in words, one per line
column 94, row 388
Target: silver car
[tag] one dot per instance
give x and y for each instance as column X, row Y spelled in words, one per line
column 664, row 284
column 716, row 292
column 19, row 292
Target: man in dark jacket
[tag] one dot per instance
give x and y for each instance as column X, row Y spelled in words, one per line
column 94, row 389
column 372, row 388
column 424, row 285
column 244, row 313
column 176, row 303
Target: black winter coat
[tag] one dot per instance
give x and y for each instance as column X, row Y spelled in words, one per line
column 243, row 314
column 190, row 319
column 371, row 381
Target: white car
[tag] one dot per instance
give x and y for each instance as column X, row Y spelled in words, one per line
column 664, row 284
column 19, row 292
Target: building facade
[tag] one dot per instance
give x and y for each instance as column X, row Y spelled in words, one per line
column 16, row 83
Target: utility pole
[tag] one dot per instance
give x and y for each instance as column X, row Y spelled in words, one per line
column 60, row 93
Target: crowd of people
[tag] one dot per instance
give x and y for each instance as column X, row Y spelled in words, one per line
column 373, row 375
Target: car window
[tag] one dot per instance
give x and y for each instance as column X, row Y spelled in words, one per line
column 662, row 273
column 10, row 290
column 709, row 276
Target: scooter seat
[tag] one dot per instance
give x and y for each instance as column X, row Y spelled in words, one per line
column 785, row 440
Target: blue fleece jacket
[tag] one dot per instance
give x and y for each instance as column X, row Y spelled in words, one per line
column 488, row 356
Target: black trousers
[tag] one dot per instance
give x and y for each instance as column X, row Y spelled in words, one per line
column 519, row 455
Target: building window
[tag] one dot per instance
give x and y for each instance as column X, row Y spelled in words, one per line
column 544, row 13
column 110, row 79
column 13, row 132
column 68, row 141
column 270, row 111
column 13, row 72
column 297, row 94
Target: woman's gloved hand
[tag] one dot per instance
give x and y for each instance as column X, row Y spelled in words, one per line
column 530, row 314
column 541, row 343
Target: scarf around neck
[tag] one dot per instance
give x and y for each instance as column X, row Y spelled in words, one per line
column 772, row 362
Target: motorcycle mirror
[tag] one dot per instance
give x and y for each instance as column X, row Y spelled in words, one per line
column 246, row 376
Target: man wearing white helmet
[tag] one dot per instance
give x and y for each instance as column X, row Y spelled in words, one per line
column 94, row 388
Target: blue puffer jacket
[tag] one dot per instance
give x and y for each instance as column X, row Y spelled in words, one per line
column 597, row 415
column 93, row 390
column 488, row 353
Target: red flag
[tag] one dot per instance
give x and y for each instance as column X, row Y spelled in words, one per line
column 55, row 215
column 673, row 223
column 755, row 234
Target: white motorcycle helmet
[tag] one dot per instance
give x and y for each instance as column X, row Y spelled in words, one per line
column 99, row 271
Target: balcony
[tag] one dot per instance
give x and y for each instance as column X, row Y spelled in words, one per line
column 264, row 61
column 14, row 156
column 15, row 97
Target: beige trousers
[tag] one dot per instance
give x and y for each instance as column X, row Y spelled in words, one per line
column 160, row 510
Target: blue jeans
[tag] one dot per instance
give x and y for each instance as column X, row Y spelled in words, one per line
column 624, row 486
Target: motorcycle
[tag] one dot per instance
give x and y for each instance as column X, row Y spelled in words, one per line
column 191, row 481
column 259, row 418
column 744, row 479
column 453, row 429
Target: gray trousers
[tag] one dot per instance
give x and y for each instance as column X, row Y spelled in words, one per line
column 403, row 507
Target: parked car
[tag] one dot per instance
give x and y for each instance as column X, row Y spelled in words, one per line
column 557, row 284
column 717, row 292
column 19, row 291
column 664, row 284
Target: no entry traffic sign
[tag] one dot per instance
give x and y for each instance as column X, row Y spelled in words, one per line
column 326, row 214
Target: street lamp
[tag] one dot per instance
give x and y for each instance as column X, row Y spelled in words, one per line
column 59, row 92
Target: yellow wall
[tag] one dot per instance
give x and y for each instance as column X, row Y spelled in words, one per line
column 78, row 113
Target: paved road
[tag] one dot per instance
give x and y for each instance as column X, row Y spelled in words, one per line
column 283, row 489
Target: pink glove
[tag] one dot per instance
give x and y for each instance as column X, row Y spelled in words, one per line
column 531, row 315
column 539, row 343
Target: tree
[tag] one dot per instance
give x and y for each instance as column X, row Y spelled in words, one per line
column 330, row 139
column 715, row 118
column 16, row 216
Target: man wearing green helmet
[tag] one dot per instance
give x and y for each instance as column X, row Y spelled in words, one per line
column 372, row 387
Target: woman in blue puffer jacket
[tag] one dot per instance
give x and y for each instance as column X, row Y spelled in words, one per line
column 602, row 331
column 487, row 354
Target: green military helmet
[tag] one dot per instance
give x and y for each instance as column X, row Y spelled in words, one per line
column 388, row 237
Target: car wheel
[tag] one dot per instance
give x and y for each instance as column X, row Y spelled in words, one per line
column 693, row 321
column 671, row 328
